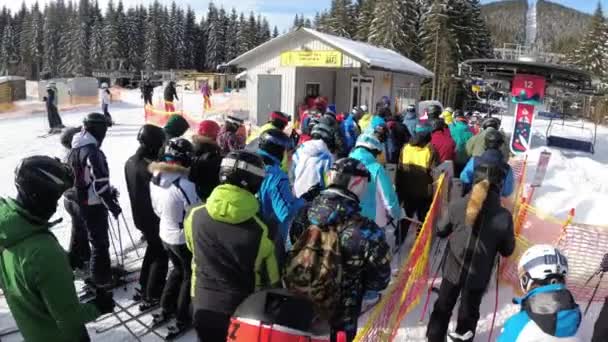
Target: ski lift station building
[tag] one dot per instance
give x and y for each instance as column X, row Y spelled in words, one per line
column 283, row 72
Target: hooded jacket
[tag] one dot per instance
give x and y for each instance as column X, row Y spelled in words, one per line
column 232, row 252
column 410, row 120
column 350, row 131
column 365, row 254
column 472, row 249
column 92, row 176
column 414, row 179
column 380, row 203
column 171, row 193
column 36, row 278
column 461, row 133
column 444, row 145
column 491, row 157
column 138, row 184
column 310, row 164
column 476, row 146
column 205, row 168
column 548, row 314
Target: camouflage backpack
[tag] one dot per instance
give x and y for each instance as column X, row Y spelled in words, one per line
column 314, row 268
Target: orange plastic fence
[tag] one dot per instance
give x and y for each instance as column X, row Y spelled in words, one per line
column 159, row 117
column 411, row 283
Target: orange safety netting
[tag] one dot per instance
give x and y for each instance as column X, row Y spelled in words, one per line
column 407, row 289
column 159, row 117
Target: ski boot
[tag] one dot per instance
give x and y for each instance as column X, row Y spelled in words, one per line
column 149, row 304
column 177, row 330
column 467, row 337
column 160, row 318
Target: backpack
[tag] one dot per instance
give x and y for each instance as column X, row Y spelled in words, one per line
column 314, row 268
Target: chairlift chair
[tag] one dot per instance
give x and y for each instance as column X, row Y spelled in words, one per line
column 587, row 146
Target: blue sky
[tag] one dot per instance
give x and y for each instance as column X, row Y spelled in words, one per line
column 280, row 12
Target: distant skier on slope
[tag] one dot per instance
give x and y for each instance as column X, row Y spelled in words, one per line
column 55, row 124
column 35, row 274
column 147, row 92
column 106, row 99
column 170, row 96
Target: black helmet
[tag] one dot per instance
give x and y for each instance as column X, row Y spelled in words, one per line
column 97, row 124
column 279, row 119
column 274, row 142
column 491, row 122
column 243, row 169
column 490, row 166
column 41, row 180
column 179, row 150
column 493, row 139
column 329, row 119
column 349, row 175
column 67, row 135
column 438, row 125
column 323, row 132
column 151, row 137
column 433, row 111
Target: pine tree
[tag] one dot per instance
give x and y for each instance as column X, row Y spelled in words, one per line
column 392, row 28
column 482, row 38
column 364, row 19
column 213, row 47
column 591, row 54
column 153, row 38
column 251, row 37
column 265, row 34
column 50, row 60
column 8, row 49
column 275, row 32
column 339, row 21
column 241, row 38
column 296, row 22
column 190, row 38
column 201, row 45
column 232, row 50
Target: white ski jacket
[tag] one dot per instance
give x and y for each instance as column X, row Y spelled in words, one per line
column 171, row 193
column 311, row 161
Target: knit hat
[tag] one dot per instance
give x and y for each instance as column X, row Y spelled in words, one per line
column 209, row 128
column 176, row 126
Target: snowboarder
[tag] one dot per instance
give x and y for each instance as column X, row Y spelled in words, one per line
column 35, row 274
column 311, row 161
column 600, row 331
column 479, row 229
column 229, row 140
column 476, row 145
column 227, row 226
column 461, row 133
column 442, row 141
column 206, row 92
column 172, row 193
column 170, row 95
column 94, row 193
column 365, row 263
column 349, row 128
column 380, row 203
column 147, row 92
column 55, row 124
column 278, row 205
column 410, row 119
column 155, row 264
column 204, row 172
column 548, row 310
column 106, row 99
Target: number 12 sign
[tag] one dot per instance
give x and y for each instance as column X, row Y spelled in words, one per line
column 528, row 89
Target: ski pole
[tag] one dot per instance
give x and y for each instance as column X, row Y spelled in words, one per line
column 594, row 293
column 495, row 299
column 112, row 241
column 129, row 233
column 122, row 250
column 118, row 256
column 432, row 286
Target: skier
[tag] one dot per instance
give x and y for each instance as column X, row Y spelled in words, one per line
column 493, row 155
column 410, row 119
column 329, row 118
column 476, row 145
column 414, row 181
column 147, row 92
column 461, row 133
column 600, row 331
column 442, row 141
column 155, row 264
column 204, row 172
column 35, row 275
column 94, row 193
column 229, row 140
column 548, row 309
column 55, row 124
column 378, row 119
column 176, row 126
column 106, row 99
column 397, row 136
column 380, row 203
column 170, row 96
column 349, row 128
column 172, row 194
column 311, row 161
column 233, row 255
column 479, row 229
column 206, row 92
column 448, row 116
column 365, row 263
column 317, row 110
column 278, row 205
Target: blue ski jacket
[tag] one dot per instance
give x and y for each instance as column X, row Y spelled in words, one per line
column 548, row 313
column 376, row 121
column 492, row 156
column 380, row 204
column 350, row 132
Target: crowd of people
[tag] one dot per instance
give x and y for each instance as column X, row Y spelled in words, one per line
column 308, row 211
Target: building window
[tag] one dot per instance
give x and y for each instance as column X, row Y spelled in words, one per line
column 313, row 89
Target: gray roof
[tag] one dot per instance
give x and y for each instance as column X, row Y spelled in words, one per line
column 372, row 56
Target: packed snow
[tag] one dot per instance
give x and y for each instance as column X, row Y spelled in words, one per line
column 574, row 180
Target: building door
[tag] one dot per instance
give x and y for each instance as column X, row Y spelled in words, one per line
column 269, row 96
column 362, row 91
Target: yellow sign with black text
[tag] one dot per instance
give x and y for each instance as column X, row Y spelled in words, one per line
column 321, row 58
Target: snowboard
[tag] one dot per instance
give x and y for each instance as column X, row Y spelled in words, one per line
column 522, row 129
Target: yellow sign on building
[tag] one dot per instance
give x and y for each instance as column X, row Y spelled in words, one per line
column 321, row 58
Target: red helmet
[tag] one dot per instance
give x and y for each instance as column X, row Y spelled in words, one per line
column 209, row 128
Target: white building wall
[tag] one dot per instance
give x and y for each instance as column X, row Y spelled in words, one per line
column 325, row 77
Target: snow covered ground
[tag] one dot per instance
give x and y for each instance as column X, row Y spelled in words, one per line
column 573, row 180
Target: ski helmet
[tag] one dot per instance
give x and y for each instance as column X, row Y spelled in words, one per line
column 323, row 132
column 243, row 169
column 449, row 110
column 541, row 264
column 279, row 119
column 178, row 150
column 433, row 111
column 493, row 139
column 381, row 132
column 41, row 180
column 274, row 142
column 233, row 123
column 329, row 119
column 364, row 108
column 411, row 109
column 97, row 124
column 437, row 125
column 104, row 85
column 370, row 142
column 491, row 122
column 151, row 137
column 67, row 135
column 350, row 175
column 458, row 113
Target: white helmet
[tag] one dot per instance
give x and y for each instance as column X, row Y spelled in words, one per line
column 449, row 110
column 542, row 263
column 104, row 85
column 370, row 142
column 364, row 108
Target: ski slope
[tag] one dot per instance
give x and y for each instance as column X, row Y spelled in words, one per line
column 573, row 180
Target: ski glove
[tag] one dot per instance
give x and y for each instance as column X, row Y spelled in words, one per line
column 604, row 265
column 114, row 208
column 104, row 301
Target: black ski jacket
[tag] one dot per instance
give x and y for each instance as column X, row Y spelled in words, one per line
column 170, row 93
column 205, row 169
column 138, row 184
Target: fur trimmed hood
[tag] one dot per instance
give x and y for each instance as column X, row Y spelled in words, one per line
column 164, row 174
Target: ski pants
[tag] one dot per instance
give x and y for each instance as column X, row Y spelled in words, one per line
column 53, row 116
column 176, row 294
column 154, row 266
column 96, row 218
column 79, row 251
column 211, row 326
column 104, row 108
column 148, row 99
column 169, row 107
column 600, row 332
column 468, row 311
column 207, row 102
